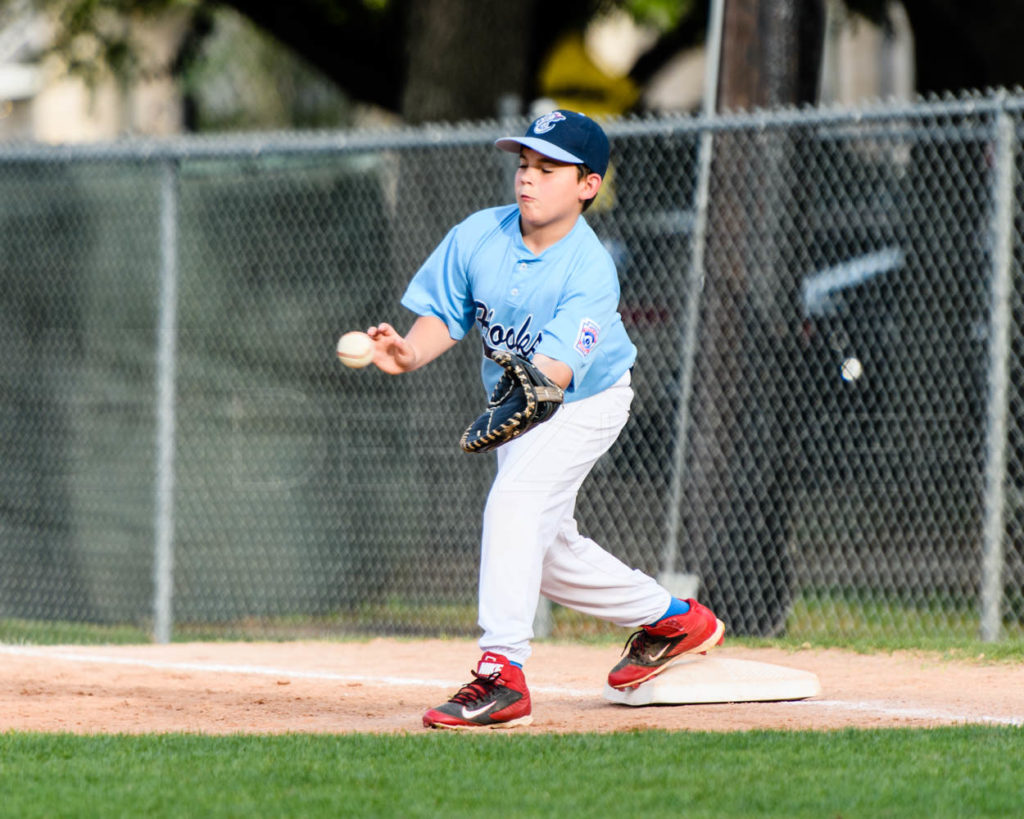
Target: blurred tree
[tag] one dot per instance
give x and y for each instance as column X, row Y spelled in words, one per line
column 958, row 45
column 421, row 59
column 771, row 53
column 454, row 59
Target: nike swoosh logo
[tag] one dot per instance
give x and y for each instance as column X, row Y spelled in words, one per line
column 656, row 657
column 476, row 712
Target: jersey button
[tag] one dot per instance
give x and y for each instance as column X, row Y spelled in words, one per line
column 514, row 291
column 523, row 265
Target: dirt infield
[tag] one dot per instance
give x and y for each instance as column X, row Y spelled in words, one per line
column 385, row 685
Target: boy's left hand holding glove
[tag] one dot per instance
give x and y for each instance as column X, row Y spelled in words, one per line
column 522, row 398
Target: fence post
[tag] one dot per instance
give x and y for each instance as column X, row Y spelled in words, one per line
column 166, row 397
column 993, row 531
column 695, row 285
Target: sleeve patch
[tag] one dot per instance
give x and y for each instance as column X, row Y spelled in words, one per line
column 586, row 340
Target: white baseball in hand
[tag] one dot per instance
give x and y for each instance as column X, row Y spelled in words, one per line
column 355, row 349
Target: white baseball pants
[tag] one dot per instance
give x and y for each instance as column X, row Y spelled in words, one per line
column 530, row 543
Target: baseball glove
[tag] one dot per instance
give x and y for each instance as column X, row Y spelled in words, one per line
column 522, row 398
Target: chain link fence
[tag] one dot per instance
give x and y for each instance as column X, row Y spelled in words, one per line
column 828, row 430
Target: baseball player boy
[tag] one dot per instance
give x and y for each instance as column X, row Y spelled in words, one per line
column 535, row 280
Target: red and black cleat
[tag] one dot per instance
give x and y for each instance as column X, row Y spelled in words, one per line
column 497, row 697
column 654, row 648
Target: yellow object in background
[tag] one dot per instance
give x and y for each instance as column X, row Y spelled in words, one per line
column 575, row 82
column 572, row 79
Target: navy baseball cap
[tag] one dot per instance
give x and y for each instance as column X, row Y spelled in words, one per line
column 565, row 136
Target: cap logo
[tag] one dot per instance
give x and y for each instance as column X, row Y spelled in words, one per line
column 547, row 122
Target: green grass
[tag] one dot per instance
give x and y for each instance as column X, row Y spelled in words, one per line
column 859, row 622
column 871, row 623
column 956, row 772
column 41, row 632
column 970, row 771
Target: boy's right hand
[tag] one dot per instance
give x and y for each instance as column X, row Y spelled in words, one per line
column 426, row 340
column 392, row 353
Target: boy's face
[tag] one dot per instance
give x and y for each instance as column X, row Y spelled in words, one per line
column 548, row 191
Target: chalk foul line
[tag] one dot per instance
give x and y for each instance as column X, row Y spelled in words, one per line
column 262, row 670
column 872, row 707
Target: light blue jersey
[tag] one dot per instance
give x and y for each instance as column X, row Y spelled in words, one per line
column 563, row 303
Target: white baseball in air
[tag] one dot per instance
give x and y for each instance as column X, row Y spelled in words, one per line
column 355, row 349
column 852, row 369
